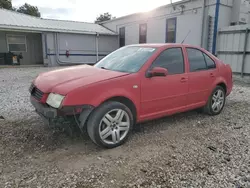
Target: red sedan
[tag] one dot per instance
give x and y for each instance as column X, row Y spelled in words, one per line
column 133, row 84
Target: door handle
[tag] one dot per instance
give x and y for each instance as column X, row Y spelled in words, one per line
column 184, row 79
column 211, row 74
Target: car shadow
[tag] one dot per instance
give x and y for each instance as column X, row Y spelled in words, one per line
column 165, row 122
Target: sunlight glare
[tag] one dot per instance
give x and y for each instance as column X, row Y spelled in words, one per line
column 148, row 5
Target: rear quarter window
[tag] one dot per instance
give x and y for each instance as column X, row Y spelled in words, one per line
column 199, row 60
column 196, row 60
column 210, row 63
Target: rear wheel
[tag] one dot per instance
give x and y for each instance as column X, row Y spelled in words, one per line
column 216, row 101
column 110, row 124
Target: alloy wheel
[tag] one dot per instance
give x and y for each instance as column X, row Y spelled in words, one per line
column 114, row 126
column 218, row 100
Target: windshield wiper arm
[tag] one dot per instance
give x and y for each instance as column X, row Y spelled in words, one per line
column 104, row 68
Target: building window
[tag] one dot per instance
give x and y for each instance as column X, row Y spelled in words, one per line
column 122, row 36
column 143, row 33
column 171, row 30
column 16, row 43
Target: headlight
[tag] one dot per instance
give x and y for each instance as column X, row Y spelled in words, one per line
column 54, row 100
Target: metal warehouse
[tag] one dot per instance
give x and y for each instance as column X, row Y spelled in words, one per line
column 52, row 42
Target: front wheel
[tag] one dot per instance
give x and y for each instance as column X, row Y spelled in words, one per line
column 216, row 101
column 110, row 124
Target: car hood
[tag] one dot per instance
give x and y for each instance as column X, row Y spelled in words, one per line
column 65, row 80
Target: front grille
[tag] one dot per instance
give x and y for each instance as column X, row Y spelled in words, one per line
column 35, row 92
column 31, row 87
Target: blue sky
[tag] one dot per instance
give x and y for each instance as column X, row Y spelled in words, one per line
column 88, row 10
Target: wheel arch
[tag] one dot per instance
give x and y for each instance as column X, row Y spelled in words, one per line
column 220, row 81
column 126, row 101
column 122, row 99
column 223, row 85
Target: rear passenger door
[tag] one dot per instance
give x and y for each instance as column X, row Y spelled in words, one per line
column 202, row 74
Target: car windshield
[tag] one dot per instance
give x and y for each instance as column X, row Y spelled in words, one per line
column 127, row 59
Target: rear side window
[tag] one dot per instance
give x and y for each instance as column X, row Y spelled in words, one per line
column 196, row 60
column 209, row 61
column 171, row 59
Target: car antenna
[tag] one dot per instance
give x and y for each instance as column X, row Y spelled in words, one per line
column 186, row 37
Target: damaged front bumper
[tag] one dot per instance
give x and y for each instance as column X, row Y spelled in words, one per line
column 72, row 114
column 44, row 110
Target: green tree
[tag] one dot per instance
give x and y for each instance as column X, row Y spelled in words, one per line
column 6, row 4
column 29, row 9
column 104, row 17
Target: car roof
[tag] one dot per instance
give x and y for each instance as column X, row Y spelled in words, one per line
column 159, row 45
column 162, row 45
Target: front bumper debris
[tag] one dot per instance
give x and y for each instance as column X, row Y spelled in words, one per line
column 67, row 115
column 43, row 109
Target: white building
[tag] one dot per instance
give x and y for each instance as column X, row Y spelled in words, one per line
column 197, row 21
column 54, row 42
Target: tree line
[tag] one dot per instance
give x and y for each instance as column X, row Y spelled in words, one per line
column 25, row 9
column 104, row 17
column 33, row 10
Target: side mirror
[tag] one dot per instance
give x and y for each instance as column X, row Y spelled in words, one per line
column 157, row 71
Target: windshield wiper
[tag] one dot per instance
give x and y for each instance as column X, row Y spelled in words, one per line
column 104, row 68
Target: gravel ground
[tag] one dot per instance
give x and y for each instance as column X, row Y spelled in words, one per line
column 184, row 150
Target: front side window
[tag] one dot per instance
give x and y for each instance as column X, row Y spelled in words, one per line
column 171, row 59
column 16, row 43
column 143, row 33
column 127, row 59
column 196, row 60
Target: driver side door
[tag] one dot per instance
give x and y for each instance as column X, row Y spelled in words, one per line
column 164, row 95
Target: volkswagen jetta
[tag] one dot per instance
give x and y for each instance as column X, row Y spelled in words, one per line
column 133, row 84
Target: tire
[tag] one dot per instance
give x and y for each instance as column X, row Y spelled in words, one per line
column 109, row 122
column 213, row 110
